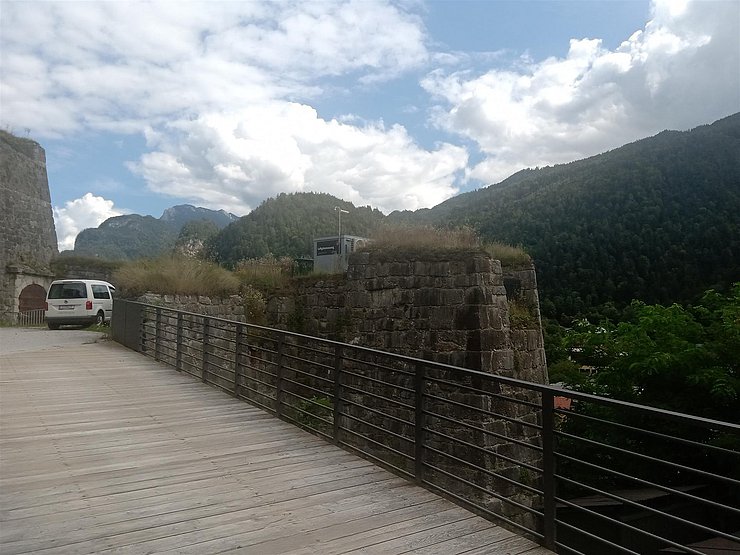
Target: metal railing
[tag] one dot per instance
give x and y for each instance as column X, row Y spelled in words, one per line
column 600, row 476
column 25, row 318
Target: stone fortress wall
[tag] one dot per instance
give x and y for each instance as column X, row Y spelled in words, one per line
column 28, row 240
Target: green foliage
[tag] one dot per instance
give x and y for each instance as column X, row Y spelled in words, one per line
column 521, row 315
column 314, row 414
column 676, row 358
column 287, row 225
column 200, row 230
column 175, row 275
column 254, row 305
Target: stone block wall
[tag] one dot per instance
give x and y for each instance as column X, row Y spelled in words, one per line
column 27, row 235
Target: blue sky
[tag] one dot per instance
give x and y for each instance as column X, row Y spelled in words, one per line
column 399, row 105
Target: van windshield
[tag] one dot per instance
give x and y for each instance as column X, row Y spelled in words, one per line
column 71, row 290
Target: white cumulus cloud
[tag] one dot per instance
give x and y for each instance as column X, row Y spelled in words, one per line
column 681, row 70
column 121, row 66
column 78, row 214
column 234, row 160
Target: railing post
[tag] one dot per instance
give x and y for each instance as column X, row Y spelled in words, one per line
column 279, row 377
column 419, row 423
column 157, row 333
column 178, row 344
column 237, row 357
column 548, row 467
column 206, row 330
column 142, row 327
column 337, row 392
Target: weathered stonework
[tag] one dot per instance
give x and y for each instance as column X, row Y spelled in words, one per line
column 27, row 236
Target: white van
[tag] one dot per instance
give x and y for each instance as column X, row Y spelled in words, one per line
column 79, row 301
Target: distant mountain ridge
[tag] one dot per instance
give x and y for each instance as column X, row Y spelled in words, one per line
column 134, row 236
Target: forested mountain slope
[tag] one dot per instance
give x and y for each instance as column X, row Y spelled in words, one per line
column 657, row 220
column 287, row 224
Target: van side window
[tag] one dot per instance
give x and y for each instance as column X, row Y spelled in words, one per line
column 100, row 292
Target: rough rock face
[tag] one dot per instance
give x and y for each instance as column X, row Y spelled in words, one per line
column 28, row 238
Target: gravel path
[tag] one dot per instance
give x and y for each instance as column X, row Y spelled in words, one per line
column 17, row 340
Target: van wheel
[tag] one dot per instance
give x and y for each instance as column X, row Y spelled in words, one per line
column 52, row 326
column 100, row 319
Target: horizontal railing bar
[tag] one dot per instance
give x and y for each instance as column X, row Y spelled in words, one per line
column 321, row 392
column 258, row 392
column 230, row 391
column 491, row 378
column 684, row 441
column 303, row 426
column 483, row 430
column 490, row 473
column 307, row 400
column 480, row 509
column 257, row 404
column 634, row 479
column 381, row 382
column 221, row 377
column 385, row 431
column 309, row 414
column 383, row 367
column 376, row 411
column 308, row 374
column 374, row 442
column 310, row 348
column 248, row 379
column 483, row 490
column 560, row 547
column 376, row 396
column 261, row 351
column 306, row 361
column 483, row 450
column 597, row 538
column 623, row 524
column 649, row 509
column 650, row 459
column 484, row 411
column 255, row 369
column 211, row 354
column 381, row 462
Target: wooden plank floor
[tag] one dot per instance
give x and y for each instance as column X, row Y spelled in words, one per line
column 103, row 450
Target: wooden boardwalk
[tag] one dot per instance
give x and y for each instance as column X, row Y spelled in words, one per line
column 103, row 450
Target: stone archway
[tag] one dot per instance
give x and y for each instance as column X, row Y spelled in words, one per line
column 32, row 297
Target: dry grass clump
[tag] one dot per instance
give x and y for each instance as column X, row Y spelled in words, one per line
column 267, row 272
column 174, row 275
column 508, row 255
column 424, row 238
